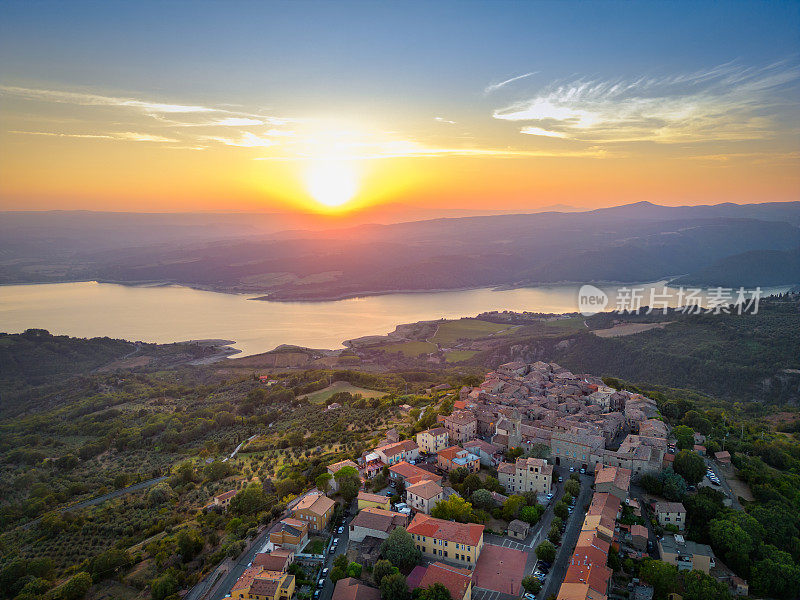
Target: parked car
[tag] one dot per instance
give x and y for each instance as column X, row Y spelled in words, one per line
column 316, row 594
column 560, row 479
column 340, row 530
column 583, row 470
column 321, row 583
column 572, row 469
column 324, row 572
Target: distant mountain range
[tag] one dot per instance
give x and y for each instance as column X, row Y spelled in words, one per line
column 715, row 244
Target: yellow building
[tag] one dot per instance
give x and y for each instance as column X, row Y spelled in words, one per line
column 456, row 542
column 433, row 440
column 366, row 500
column 258, row 584
column 315, row 509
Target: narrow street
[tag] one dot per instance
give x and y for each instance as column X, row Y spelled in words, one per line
column 559, row 569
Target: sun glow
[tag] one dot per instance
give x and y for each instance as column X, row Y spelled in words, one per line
column 332, row 183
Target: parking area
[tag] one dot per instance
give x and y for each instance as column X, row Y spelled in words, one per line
column 481, row 594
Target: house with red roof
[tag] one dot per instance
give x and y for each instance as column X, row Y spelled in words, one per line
column 460, row 543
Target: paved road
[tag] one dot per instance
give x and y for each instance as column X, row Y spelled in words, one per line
column 568, row 541
column 344, row 539
column 100, row 499
column 212, row 588
column 723, row 484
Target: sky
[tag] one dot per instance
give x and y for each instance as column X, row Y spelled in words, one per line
column 334, row 106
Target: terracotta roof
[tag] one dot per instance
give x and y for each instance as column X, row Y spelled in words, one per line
column 277, row 560
column 618, row 476
column 379, row 519
column 367, row 497
column 596, row 576
column 461, row 417
column 507, row 468
column 247, row 578
column 589, row 555
column 397, row 447
column 670, row 507
column 639, row 530
column 263, row 586
column 722, row 455
column 578, row 591
column 342, row 463
column 316, row 503
column 463, row 533
column 425, row 489
column 225, row 495
column 456, row 580
column 590, row 538
column 408, row 471
column 481, row 445
column 351, row 589
column 435, row 431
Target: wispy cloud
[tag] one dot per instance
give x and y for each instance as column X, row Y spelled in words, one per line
column 246, row 140
column 88, row 99
column 493, row 87
column 443, row 120
column 127, row 136
column 727, row 102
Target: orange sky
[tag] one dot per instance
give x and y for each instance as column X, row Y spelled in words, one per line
column 106, row 111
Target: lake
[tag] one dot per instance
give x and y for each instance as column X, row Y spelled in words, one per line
column 174, row 313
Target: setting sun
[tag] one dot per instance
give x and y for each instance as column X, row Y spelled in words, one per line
column 332, row 183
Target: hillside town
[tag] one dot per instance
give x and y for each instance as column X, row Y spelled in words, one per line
column 527, row 487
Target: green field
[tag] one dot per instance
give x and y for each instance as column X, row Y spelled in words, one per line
column 452, row 331
column 321, row 396
column 410, row 349
column 459, row 355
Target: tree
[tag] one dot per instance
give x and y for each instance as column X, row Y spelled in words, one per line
column 458, row 475
column 685, row 437
column 546, row 552
column 561, row 509
column 482, row 499
column 674, row 486
column 189, row 544
column 776, row 575
column 455, row 508
column 662, row 576
column 381, row 569
column 159, row 494
column 531, row 584
column 539, row 451
column 216, row 470
column 512, row 507
column 77, row 586
column 699, row 586
column 349, row 482
column 337, row 573
column 437, row 591
column 554, row 535
column 354, row 570
column 531, row 514
column 514, row 453
column 471, row 484
column 323, row 482
column 399, row 549
column 690, row 466
column 249, row 501
column 341, row 561
column 572, row 487
column 394, row 587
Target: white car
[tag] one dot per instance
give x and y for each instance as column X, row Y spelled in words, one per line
column 572, row 469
